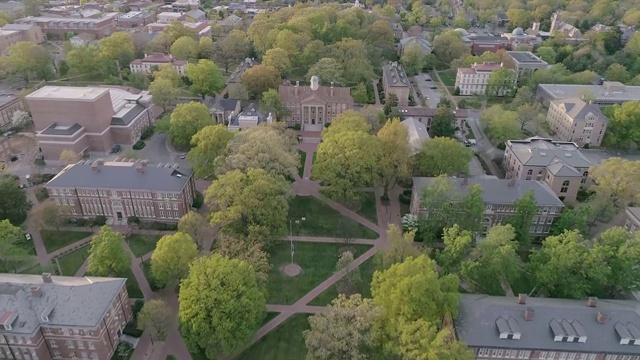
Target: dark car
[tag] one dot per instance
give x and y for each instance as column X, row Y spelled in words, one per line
column 433, row 87
column 427, row 79
column 116, row 149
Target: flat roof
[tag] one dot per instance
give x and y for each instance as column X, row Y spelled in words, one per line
column 525, row 57
column 597, row 92
column 68, row 93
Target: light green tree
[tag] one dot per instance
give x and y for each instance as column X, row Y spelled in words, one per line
column 234, row 48
column 167, row 72
column 12, row 252
column 347, row 121
column 443, row 155
column 457, row 246
column 118, row 46
column 155, row 317
column 107, row 255
column 395, row 155
column 164, row 92
column 547, row 53
column 221, row 305
column 573, row 219
column 624, row 121
column 261, row 78
column 206, row 48
column 412, row 59
column 28, row 60
column 525, row 209
column 421, row 340
column 619, row 250
column 618, row 179
column 195, row 225
column 448, row 46
column 185, row 48
column 278, row 58
column 617, row 72
column 359, row 94
column 82, row 60
column 272, row 104
column 186, row 120
column 205, row 77
column 501, row 82
column 500, row 124
column 171, row 258
column 245, row 249
column 207, row 144
column 399, row 247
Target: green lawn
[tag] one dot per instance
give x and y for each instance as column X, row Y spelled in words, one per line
column 70, row 263
column 37, row 269
column 54, row 239
column 322, row 220
column 146, row 269
column 142, row 244
column 132, row 285
column 284, row 343
column 448, row 77
column 303, row 158
column 318, row 262
column 364, row 286
column 368, row 207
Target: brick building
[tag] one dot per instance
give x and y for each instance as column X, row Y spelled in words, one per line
column 61, row 26
column 9, row 103
column 59, row 317
column 474, row 80
column 147, row 64
column 135, row 19
column 395, row 81
column 13, row 33
column 85, row 119
column 121, row 189
column 574, row 120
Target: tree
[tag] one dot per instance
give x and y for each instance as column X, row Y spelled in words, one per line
column 344, row 332
column 523, row 96
column 82, row 60
column 373, row 116
column 27, row 60
column 359, row 94
column 573, row 219
column 348, row 283
column 619, row 250
column 272, row 104
column 164, row 92
column 501, row 82
column 347, row 121
column 167, row 72
column 443, row 155
column 161, row 43
column 422, row 340
column 529, row 114
column 449, row 46
column 617, row 72
column 52, row 216
column 353, row 56
column 327, row 70
column 186, row 120
column 495, row 263
column 619, row 179
column 177, row 30
column 12, row 250
column 207, row 144
column 391, row 101
column 344, row 175
column 117, row 47
column 278, row 58
column 155, row 317
column 412, row 59
column 443, row 123
column 457, row 246
column 14, row 205
column 245, row 249
column 107, row 256
column 519, row 17
column 525, row 208
column 21, row 119
column 185, row 48
column 251, row 203
column 272, row 148
column 500, row 125
column 221, row 305
column 234, row 48
column 194, row 225
column 624, row 123
column 547, row 53
column 171, row 258
column 395, row 155
column 399, row 247
column 261, row 78
column 69, row 157
column 206, row 49
column 205, row 77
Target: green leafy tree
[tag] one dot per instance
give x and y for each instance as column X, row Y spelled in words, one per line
column 186, row 120
column 12, row 252
column 443, row 123
column 500, row 124
column 623, row 125
column 347, row 121
column 344, row 332
column 251, row 203
column 573, row 219
column 52, row 216
column 14, row 205
column 524, row 95
column 221, row 305
column 359, row 94
column 194, row 225
column 617, row 72
column 529, row 114
column 373, row 116
column 234, row 48
column 449, row 46
column 395, row 155
column 249, row 250
column 167, row 72
column 501, row 82
column 177, row 30
column 26, row 60
column 278, row 58
column 272, row 104
column 205, row 77
column 618, row 179
column 399, row 247
column 164, row 92
column 328, row 70
column 443, row 155
column 155, row 317
column 390, row 102
column 547, row 53
column 107, row 255
column 171, row 258
column 457, row 246
column 161, row 43
column 412, row 59
column 261, row 78
column 117, row 47
column 185, row 48
column 206, row 48
column 519, row 18
column 620, row 251
column 525, row 208
column 495, row 263
column 352, row 55
column 207, row 144
column 82, row 60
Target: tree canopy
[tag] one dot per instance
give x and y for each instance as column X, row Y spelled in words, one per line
column 208, row 143
column 395, row 155
column 443, row 155
column 107, row 255
column 186, row 121
column 171, row 258
column 205, row 77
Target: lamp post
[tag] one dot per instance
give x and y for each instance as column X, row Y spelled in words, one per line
column 291, row 234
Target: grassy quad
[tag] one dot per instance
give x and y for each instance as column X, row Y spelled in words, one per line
column 142, row 244
column 364, row 286
column 71, row 262
column 284, row 343
column 55, row 240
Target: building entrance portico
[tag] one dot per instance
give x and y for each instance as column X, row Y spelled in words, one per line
column 312, row 116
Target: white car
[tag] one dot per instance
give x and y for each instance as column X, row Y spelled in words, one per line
column 183, row 156
column 28, row 236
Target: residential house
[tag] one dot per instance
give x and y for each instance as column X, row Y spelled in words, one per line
column 632, row 219
column 222, row 109
column 185, row 5
column 395, row 81
column 314, row 106
column 120, row 189
column 524, row 63
column 9, row 103
column 508, row 327
column 61, row 26
column 83, row 119
column 559, row 164
column 14, row 33
column 197, row 15
column 499, row 196
column 475, row 79
column 136, row 19
column 62, row 317
column 417, row 133
column 154, row 61
column 425, row 115
column 574, row 120
column 608, row 93
column 248, row 118
column 169, row 17
column 83, row 39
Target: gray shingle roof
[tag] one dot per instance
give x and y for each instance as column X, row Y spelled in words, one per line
column 121, row 176
column 537, row 151
column 395, row 75
column 68, row 301
column 577, row 109
column 417, row 134
column 561, row 169
column 476, row 323
column 498, row 191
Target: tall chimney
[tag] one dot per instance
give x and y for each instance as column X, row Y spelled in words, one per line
column 601, row 318
column 36, row 291
column 529, row 313
column 592, row 301
column 522, row 299
column 332, row 89
column 46, row 277
column 296, row 88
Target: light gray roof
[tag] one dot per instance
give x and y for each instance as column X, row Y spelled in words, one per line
column 558, row 168
column 525, row 57
column 67, row 301
column 476, row 324
column 196, row 13
column 417, row 134
column 577, row 109
column 634, row 211
column 123, row 175
column 538, row 151
column 395, row 75
column 609, row 91
column 498, row 191
column 18, row 27
column 415, row 40
column 231, row 20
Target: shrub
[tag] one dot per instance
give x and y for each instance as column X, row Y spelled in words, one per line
column 39, row 162
column 586, row 146
column 82, row 222
column 139, row 145
column 100, row 220
column 296, row 127
column 137, row 306
column 132, row 330
column 42, row 194
column 404, row 198
column 133, row 220
column 37, row 179
column 198, row 200
column 147, row 132
column 161, row 226
column 171, row 357
column 583, row 195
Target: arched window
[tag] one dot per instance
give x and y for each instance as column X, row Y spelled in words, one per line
column 565, row 186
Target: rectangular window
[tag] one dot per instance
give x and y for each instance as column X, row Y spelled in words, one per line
column 53, row 344
column 161, row 205
column 162, row 214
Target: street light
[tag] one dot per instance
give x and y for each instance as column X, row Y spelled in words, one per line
column 291, row 234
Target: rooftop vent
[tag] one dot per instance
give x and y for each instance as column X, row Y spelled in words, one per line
column 629, row 334
column 568, row 331
column 601, row 318
column 567, row 154
column 44, row 315
column 36, row 291
column 508, row 329
column 529, row 314
column 542, row 153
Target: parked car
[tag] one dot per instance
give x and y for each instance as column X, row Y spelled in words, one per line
column 427, row 79
column 28, row 236
column 116, row 149
column 433, row 87
column 183, row 156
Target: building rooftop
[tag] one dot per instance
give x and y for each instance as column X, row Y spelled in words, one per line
column 196, row 13
column 577, row 109
column 18, row 27
column 85, row 37
column 68, row 93
column 608, row 91
column 167, row 14
column 230, row 20
column 122, row 175
column 417, row 111
column 394, row 75
column 538, row 151
column 322, row 93
column 67, row 19
column 160, row 59
column 135, row 14
column 556, row 324
column 417, row 133
column 500, row 191
column 635, row 212
column 483, row 67
column 224, row 105
column 525, row 57
column 416, row 40
column 7, row 98
column 4, row 32
column 66, row 301
column 56, row 129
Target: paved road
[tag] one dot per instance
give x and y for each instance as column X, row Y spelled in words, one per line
column 431, row 96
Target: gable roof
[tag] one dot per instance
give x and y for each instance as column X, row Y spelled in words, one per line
column 577, row 109
column 323, row 93
column 417, row 134
column 394, row 75
column 196, row 14
column 538, row 151
column 415, row 40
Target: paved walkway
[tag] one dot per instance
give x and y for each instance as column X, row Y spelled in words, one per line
column 375, row 92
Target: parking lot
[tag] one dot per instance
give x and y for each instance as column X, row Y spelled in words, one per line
column 425, row 84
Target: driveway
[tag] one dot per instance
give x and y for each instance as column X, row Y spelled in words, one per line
column 483, row 145
column 158, row 151
column 424, row 83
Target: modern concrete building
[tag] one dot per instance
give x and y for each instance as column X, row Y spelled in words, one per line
column 9, row 103
column 395, row 81
column 100, row 27
column 13, row 33
column 508, row 327
column 632, row 219
column 574, row 120
column 417, row 133
column 135, row 19
column 314, row 106
column 474, row 80
column 85, row 119
column 525, row 63
column 559, row 164
column 609, row 93
column 153, row 61
column 61, row 317
column 499, row 197
column 121, row 189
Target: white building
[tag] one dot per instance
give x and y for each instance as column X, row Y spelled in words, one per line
column 474, row 80
column 146, row 65
column 169, row 17
column 247, row 119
